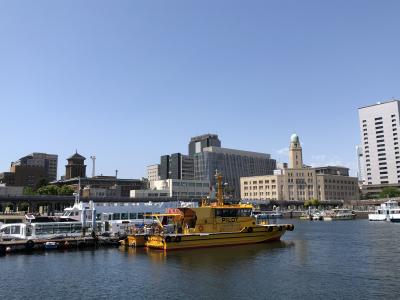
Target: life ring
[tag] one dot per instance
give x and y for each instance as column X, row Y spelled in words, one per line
column 250, row 229
column 178, row 239
column 168, row 239
column 201, row 228
column 29, row 244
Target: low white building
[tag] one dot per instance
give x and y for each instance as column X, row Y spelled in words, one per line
column 11, row 190
column 174, row 188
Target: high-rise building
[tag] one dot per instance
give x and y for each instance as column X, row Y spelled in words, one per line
column 75, row 167
column 176, row 166
column 379, row 128
column 232, row 164
column 47, row 162
column 198, row 143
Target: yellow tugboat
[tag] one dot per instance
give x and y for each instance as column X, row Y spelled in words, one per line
column 211, row 225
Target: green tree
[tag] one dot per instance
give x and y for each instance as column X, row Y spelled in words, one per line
column 311, row 202
column 48, row 190
column 28, row 191
column 65, row 190
column 389, row 192
column 41, row 183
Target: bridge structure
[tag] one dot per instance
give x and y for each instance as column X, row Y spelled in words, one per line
column 49, row 204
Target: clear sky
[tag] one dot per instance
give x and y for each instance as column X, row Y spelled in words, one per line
column 128, row 81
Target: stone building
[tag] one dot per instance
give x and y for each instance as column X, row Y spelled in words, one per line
column 299, row 182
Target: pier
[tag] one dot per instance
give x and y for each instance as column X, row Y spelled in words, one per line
column 65, row 243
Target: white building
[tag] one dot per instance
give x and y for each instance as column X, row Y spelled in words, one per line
column 380, row 154
column 11, row 190
column 174, row 188
column 153, row 173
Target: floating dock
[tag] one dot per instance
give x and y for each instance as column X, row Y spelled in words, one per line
column 19, row 246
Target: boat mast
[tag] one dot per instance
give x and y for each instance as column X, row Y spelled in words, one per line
column 220, row 191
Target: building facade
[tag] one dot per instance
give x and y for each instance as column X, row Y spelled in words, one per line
column 178, row 188
column 379, row 129
column 75, row 167
column 301, row 183
column 198, row 143
column 11, row 190
column 29, row 170
column 232, row 164
column 176, row 166
column 153, row 172
column 48, row 162
column 104, row 182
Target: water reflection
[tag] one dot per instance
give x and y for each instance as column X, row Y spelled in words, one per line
column 195, row 258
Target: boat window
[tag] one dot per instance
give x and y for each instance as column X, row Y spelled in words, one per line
column 133, row 216
column 15, row 229
column 140, row 216
column 244, row 212
column 148, row 215
column 226, row 213
column 6, row 230
column 124, row 216
column 116, row 216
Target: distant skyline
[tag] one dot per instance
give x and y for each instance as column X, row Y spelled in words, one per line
column 130, row 81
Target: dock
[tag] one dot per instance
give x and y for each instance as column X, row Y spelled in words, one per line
column 65, row 243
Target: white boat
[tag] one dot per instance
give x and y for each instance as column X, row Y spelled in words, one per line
column 33, row 231
column 388, row 211
column 339, row 214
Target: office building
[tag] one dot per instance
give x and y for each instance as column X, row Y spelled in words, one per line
column 176, row 166
column 47, row 162
column 29, row 170
column 198, row 143
column 379, row 128
column 299, row 182
column 153, row 172
column 232, row 164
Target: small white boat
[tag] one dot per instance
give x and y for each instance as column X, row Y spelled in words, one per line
column 339, row 214
column 388, row 211
column 50, row 245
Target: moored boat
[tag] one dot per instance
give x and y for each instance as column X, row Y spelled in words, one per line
column 388, row 211
column 339, row 214
column 216, row 224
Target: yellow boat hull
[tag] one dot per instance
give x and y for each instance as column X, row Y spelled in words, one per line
column 257, row 234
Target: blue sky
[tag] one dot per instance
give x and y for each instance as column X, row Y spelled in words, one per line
column 129, row 81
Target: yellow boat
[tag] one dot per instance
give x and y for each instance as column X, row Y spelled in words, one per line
column 212, row 225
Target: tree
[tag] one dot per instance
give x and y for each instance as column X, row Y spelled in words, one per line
column 389, row 192
column 41, row 183
column 48, row 190
column 312, row 202
column 65, row 190
column 28, row 191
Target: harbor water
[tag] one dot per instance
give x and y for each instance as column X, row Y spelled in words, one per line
column 331, row 260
